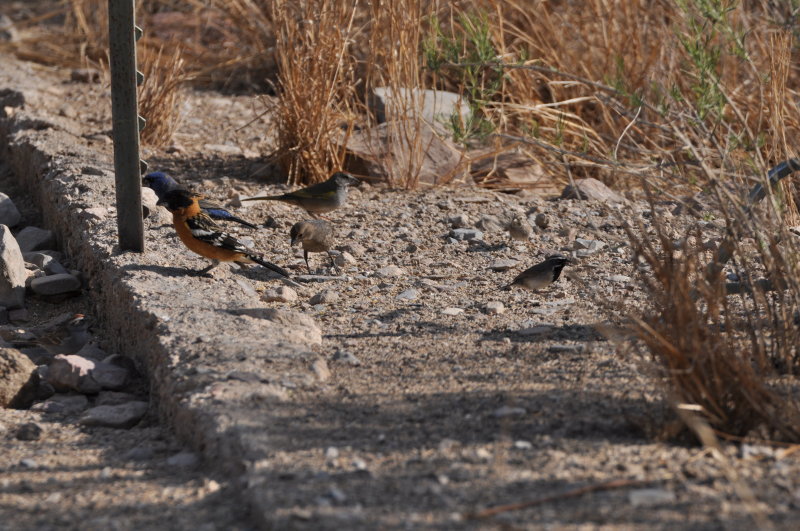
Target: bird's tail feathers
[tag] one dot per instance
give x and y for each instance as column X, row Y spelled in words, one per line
column 263, row 198
column 269, row 265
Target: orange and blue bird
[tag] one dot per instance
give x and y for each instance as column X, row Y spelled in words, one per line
column 161, row 184
column 203, row 236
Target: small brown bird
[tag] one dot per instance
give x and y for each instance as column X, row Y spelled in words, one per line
column 316, row 236
column 318, row 198
column 542, row 274
column 519, row 229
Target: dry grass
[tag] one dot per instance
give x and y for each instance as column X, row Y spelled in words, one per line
column 160, row 96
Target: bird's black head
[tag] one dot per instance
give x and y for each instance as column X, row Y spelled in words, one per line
column 176, row 199
column 557, row 261
column 344, row 179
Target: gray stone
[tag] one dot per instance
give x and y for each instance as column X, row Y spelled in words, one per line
column 122, row 416
column 503, row 264
column 223, row 149
column 15, row 372
column 390, row 271
column 408, row 295
column 8, row 32
column 452, row 311
column 183, row 460
column 320, row 368
column 39, row 258
column 508, row 411
column 109, row 376
column 592, row 246
column 12, row 271
column 490, row 223
column 65, row 404
column 9, row 215
column 650, row 497
column 113, row 398
column 19, row 315
column 35, row 239
column 30, row 431
column 279, row 294
column 343, row 258
column 72, row 373
column 494, row 308
column 459, row 221
column 345, row 356
column 591, row 189
column 326, row 296
column 435, row 106
column 55, row 284
column 140, row 453
column 466, row 234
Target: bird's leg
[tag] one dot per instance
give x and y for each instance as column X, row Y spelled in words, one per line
column 214, row 263
column 333, row 263
column 305, row 255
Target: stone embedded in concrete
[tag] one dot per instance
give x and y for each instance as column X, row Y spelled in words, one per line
column 35, row 239
column 122, row 416
column 15, row 371
column 9, row 215
column 12, row 271
column 55, row 284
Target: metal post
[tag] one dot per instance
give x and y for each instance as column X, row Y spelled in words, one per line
column 125, row 121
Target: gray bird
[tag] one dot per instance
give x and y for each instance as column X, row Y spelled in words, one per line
column 542, row 274
column 316, row 236
column 318, row 198
column 519, row 229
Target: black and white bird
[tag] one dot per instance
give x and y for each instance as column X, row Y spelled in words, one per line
column 542, row 274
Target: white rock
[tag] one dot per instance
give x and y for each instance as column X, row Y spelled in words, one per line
column 12, row 271
column 183, row 460
column 326, row 296
column 494, row 307
column 408, row 295
column 279, row 294
column 71, row 373
column 453, row 311
column 390, row 271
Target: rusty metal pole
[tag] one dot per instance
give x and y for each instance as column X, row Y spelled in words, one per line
column 123, row 34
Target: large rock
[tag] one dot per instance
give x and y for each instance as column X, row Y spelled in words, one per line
column 58, row 284
column 9, row 215
column 121, row 416
column 591, row 189
column 512, row 169
column 404, row 153
column 15, row 372
column 76, row 373
column 12, row 271
column 35, row 239
column 434, row 106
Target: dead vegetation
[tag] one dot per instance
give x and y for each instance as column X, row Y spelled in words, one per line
column 675, row 97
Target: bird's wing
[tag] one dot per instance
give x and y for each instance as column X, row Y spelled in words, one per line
column 207, row 204
column 322, row 190
column 204, row 229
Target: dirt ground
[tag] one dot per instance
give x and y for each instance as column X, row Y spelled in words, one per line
column 429, row 413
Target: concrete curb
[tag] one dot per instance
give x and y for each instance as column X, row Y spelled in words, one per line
column 219, row 368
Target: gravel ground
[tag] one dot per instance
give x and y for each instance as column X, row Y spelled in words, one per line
column 430, row 405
